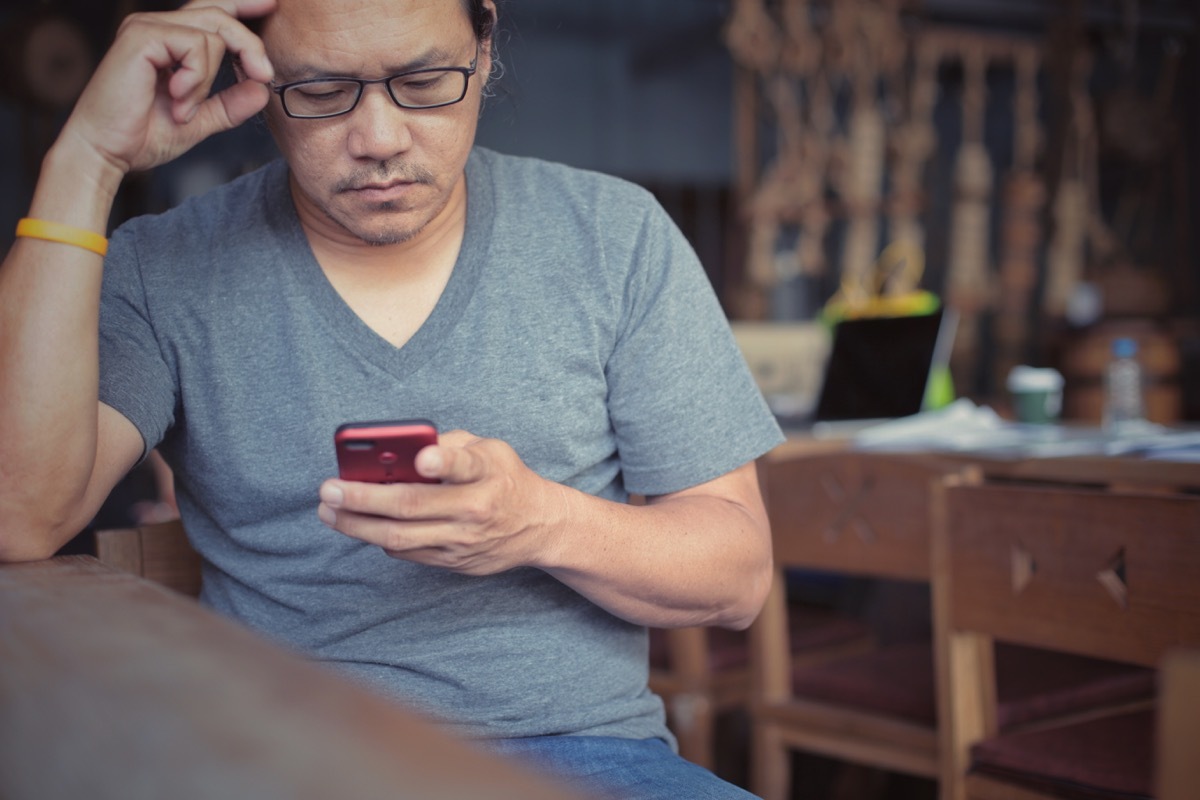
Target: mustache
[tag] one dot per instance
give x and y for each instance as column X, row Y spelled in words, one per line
column 384, row 172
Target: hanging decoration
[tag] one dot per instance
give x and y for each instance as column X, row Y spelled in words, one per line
column 1023, row 201
column 851, row 90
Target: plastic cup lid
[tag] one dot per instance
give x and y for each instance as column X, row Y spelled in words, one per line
column 1034, row 379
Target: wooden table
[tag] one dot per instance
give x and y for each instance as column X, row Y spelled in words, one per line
column 1124, row 471
column 113, row 687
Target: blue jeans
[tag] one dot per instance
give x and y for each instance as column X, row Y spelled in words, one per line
column 618, row 769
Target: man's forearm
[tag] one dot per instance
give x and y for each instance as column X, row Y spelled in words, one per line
column 49, row 319
column 692, row 558
column 701, row 556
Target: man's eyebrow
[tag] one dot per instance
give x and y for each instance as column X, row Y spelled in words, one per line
column 435, row 57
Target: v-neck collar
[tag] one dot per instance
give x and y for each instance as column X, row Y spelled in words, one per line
column 346, row 326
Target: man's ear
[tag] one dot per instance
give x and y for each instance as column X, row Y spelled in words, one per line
column 490, row 40
column 489, row 6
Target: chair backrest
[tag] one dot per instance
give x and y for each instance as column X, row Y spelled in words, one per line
column 863, row 514
column 1099, row 573
column 857, row 514
column 158, row 552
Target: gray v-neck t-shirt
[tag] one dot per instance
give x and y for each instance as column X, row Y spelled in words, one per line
column 577, row 325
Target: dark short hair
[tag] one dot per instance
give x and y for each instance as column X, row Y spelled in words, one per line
column 483, row 21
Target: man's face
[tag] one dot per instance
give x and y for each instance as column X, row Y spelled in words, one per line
column 381, row 173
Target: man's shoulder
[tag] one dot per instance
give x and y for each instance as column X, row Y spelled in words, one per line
column 551, row 179
column 237, row 203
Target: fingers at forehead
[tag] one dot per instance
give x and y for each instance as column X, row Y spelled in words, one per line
column 237, row 8
column 197, row 68
column 220, row 17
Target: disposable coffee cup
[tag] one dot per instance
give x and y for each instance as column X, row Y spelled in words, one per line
column 1036, row 394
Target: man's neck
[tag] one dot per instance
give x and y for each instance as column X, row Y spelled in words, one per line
column 341, row 253
column 392, row 288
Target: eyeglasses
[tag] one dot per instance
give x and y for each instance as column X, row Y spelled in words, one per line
column 319, row 98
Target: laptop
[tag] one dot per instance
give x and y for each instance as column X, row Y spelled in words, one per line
column 863, row 372
column 879, row 368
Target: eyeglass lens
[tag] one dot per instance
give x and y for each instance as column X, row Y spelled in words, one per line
column 418, row 90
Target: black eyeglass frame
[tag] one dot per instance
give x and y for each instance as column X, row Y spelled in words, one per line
column 466, row 72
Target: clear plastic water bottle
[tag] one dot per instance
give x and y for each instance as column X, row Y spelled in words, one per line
column 1123, row 404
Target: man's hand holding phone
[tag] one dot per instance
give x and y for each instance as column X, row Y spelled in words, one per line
column 479, row 511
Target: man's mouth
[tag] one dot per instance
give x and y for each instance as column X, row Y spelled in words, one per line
column 385, row 185
column 388, row 191
column 381, row 187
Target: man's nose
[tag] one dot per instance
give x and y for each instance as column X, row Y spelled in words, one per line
column 379, row 127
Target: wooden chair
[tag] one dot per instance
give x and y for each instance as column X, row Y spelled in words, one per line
column 869, row 515
column 694, row 689
column 159, row 552
column 1178, row 768
column 1105, row 574
column 850, row 514
column 703, row 672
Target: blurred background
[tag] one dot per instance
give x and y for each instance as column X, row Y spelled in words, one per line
column 1033, row 162
column 1038, row 155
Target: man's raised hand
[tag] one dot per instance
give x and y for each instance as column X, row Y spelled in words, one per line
column 149, row 100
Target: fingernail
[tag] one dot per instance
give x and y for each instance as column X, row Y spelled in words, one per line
column 332, row 495
column 326, row 515
column 430, row 464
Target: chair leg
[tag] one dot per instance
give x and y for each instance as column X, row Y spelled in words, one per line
column 771, row 773
column 692, row 715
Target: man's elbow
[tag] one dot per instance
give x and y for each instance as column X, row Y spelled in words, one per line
column 21, row 548
column 26, row 537
column 755, row 585
column 750, row 600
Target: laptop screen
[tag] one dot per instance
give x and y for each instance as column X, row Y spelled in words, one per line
column 878, row 367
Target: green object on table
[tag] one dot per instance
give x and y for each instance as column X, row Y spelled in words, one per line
column 939, row 392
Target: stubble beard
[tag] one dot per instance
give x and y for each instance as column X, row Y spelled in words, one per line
column 384, row 172
column 380, row 238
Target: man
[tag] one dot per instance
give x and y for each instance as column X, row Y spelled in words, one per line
column 552, row 323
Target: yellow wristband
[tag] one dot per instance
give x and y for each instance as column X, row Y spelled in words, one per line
column 66, row 234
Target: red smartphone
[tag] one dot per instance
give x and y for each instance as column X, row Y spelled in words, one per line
column 382, row 452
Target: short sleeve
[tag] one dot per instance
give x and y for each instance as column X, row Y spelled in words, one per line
column 683, row 402
column 135, row 378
